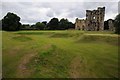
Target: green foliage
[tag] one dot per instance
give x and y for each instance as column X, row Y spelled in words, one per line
column 25, row 27
column 71, row 25
column 53, row 24
column 65, row 24
column 117, row 24
column 11, row 22
column 44, row 22
column 40, row 26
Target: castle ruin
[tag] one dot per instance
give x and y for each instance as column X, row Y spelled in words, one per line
column 80, row 24
column 94, row 20
column 111, row 25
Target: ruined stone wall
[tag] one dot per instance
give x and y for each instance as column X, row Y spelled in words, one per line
column 80, row 24
column 111, row 25
column 94, row 20
column 101, row 18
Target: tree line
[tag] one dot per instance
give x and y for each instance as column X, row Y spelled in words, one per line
column 11, row 22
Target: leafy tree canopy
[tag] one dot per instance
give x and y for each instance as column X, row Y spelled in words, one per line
column 53, row 24
column 11, row 22
column 40, row 26
column 65, row 24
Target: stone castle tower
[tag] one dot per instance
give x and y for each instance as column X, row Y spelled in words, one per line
column 94, row 20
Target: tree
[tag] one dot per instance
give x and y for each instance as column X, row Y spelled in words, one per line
column 65, row 24
column 11, row 22
column 53, row 24
column 33, row 27
column 40, row 26
column 45, row 23
column 25, row 27
column 117, row 24
column 71, row 25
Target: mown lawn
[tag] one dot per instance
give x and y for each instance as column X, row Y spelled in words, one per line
column 60, row 54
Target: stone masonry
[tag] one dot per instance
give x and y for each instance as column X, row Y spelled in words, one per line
column 94, row 20
column 80, row 24
column 111, row 25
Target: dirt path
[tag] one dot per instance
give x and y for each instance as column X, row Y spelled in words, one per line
column 22, row 70
column 74, row 68
column 78, row 69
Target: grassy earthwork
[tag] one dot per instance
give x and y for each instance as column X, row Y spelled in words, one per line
column 60, row 54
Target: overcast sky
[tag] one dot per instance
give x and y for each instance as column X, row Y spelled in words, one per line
column 32, row 12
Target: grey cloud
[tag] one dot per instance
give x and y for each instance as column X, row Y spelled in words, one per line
column 119, row 6
column 50, row 13
column 30, row 12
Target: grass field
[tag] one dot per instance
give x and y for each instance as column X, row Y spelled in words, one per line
column 60, row 54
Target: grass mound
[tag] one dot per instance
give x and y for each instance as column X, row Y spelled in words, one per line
column 34, row 32
column 21, row 38
column 111, row 39
column 61, row 35
column 67, row 34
